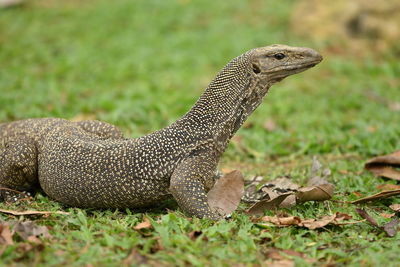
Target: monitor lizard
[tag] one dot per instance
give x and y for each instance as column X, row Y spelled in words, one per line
column 91, row 164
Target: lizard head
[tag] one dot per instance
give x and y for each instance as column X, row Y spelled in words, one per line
column 273, row 63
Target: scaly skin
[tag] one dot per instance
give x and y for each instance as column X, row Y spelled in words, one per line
column 90, row 163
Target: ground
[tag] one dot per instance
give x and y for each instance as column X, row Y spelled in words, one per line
column 141, row 65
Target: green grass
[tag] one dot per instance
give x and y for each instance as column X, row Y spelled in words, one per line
column 141, row 65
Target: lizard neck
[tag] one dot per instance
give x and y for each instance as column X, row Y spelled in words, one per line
column 226, row 103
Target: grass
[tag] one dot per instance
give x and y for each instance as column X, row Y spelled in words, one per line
column 141, row 65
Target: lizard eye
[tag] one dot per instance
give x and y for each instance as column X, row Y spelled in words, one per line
column 279, row 56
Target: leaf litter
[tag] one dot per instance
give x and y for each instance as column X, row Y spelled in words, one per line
column 145, row 224
column 284, row 221
column 27, row 231
column 32, row 212
column 395, row 207
column 385, row 166
column 282, row 192
column 380, row 195
column 226, row 194
column 389, row 228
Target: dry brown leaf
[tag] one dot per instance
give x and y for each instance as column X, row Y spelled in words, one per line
column 146, row 224
column 283, row 193
column 395, row 207
column 28, row 230
column 386, row 187
column 282, row 221
column 32, row 212
column 314, row 223
column 315, row 193
column 385, row 166
column 5, row 235
column 311, row 224
column 270, row 190
column 391, row 227
column 380, row 195
column 318, row 188
column 225, row 196
column 281, row 186
column 366, row 216
column 387, row 215
column 266, row 204
column 288, row 202
column 284, row 184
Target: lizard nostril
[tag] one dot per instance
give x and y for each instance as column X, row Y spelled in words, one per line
column 256, row 69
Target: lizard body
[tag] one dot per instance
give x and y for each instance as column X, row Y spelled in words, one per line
column 90, row 163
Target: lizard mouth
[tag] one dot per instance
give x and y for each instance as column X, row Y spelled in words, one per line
column 279, row 75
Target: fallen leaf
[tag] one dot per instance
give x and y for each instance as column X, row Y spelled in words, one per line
column 386, row 187
column 282, row 185
column 267, row 204
column 5, row 235
column 366, row 216
column 318, row 188
column 380, row 195
column 315, row 193
column 282, row 192
column 385, row 166
column 395, row 207
column 340, row 216
column 269, row 190
column 357, row 194
column 227, row 192
column 336, row 219
column 32, row 212
column 28, row 230
column 391, row 227
column 146, row 224
column 387, row 215
column 314, row 224
column 282, row 221
column 288, row 202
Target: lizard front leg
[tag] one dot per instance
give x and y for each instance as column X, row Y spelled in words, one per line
column 191, row 181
